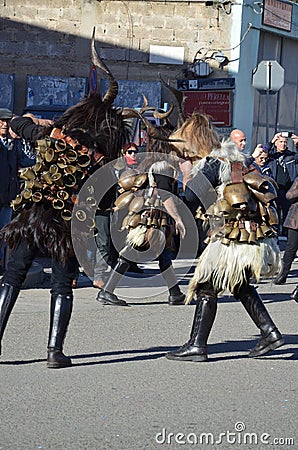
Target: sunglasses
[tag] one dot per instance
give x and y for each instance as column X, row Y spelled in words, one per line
column 132, row 151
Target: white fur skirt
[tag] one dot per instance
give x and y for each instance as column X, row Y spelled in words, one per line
column 226, row 266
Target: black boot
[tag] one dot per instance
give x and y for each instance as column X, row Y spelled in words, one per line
column 294, row 294
column 106, row 296
column 61, row 309
column 176, row 297
column 281, row 277
column 8, row 296
column 270, row 336
column 196, row 348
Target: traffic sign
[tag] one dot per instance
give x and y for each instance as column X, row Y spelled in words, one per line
column 268, row 76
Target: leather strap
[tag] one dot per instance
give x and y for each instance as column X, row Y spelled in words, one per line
column 237, row 174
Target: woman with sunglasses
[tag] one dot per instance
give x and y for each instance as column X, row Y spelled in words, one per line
column 130, row 152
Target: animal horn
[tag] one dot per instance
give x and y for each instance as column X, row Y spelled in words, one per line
column 112, row 91
column 146, row 106
column 70, row 169
column 151, row 130
column 164, row 115
column 50, row 155
column 145, row 101
column 80, row 174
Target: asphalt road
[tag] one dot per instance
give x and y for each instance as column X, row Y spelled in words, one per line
column 123, row 394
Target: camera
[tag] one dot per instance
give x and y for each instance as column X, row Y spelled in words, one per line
column 286, row 134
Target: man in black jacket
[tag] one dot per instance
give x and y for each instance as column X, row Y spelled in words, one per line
column 283, row 164
column 11, row 158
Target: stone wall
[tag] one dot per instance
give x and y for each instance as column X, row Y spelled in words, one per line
column 53, row 38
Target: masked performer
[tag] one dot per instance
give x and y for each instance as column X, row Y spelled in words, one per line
column 88, row 133
column 151, row 209
column 237, row 202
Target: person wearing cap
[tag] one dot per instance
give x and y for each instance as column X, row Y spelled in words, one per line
column 11, row 158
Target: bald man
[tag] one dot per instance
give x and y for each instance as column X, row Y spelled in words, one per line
column 239, row 138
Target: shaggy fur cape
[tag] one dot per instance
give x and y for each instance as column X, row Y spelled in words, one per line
column 226, row 266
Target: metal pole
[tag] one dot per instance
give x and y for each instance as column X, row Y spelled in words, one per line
column 267, row 116
column 268, row 90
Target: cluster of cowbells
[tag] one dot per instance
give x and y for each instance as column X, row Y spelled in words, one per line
column 57, row 175
column 144, row 206
column 246, row 212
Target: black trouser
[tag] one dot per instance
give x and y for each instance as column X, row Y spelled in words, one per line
column 290, row 250
column 20, row 261
column 283, row 206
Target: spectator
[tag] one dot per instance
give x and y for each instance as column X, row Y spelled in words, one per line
column 130, row 152
column 294, row 138
column 261, row 160
column 291, row 223
column 105, row 252
column 239, row 138
column 103, row 224
column 11, row 158
column 283, row 165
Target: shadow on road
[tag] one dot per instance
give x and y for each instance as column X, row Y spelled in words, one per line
column 286, row 353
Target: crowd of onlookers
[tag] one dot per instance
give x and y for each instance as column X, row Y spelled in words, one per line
column 272, row 159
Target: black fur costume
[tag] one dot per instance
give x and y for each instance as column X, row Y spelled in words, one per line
column 91, row 125
column 87, row 135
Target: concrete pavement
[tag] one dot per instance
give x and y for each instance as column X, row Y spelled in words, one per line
column 122, row 394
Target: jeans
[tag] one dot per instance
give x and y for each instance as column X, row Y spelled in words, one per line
column 103, row 245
